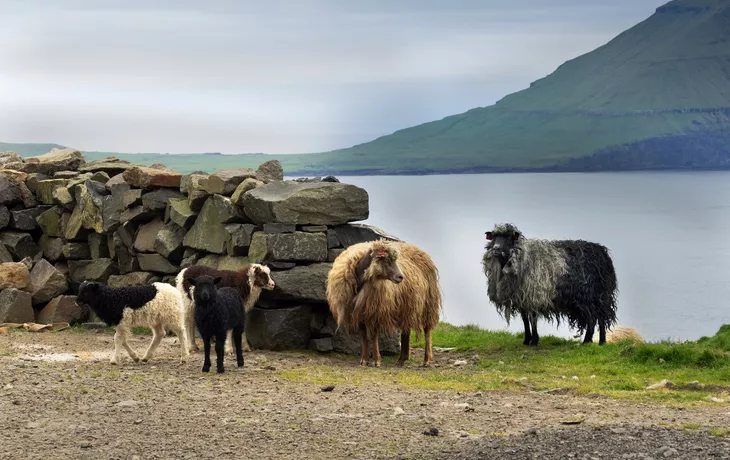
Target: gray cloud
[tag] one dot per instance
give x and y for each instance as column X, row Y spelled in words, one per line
column 278, row 76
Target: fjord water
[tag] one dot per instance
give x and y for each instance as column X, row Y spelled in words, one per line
column 668, row 233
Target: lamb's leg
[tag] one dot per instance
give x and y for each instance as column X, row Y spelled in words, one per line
column 158, row 332
column 535, row 337
column 206, row 351
column 190, row 317
column 117, row 355
column 601, row 333
column 237, row 338
column 123, row 333
column 182, row 334
column 428, row 350
column 526, row 322
column 590, row 329
column 405, row 347
column 229, row 342
column 220, row 340
column 364, row 353
column 376, row 349
column 246, row 344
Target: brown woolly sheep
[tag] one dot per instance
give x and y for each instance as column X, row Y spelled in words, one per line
column 249, row 281
column 388, row 286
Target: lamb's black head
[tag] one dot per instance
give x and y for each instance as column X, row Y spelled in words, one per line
column 501, row 240
column 87, row 292
column 205, row 290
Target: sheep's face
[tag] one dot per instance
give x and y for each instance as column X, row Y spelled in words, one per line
column 262, row 277
column 384, row 264
column 205, row 290
column 501, row 241
column 87, row 292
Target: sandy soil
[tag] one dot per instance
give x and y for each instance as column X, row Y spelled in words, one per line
column 60, row 398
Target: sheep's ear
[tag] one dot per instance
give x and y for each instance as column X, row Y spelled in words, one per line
column 363, row 265
column 192, row 281
column 217, row 280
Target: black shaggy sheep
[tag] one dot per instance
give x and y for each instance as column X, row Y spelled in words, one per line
column 158, row 307
column 569, row 279
column 216, row 312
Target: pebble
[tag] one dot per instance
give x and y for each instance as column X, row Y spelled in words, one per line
column 575, row 377
column 85, row 445
column 717, row 400
column 138, row 421
column 433, row 431
column 459, row 362
column 462, row 405
column 328, row 388
column 127, row 403
column 398, row 411
column 532, row 431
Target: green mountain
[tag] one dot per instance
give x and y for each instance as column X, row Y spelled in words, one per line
column 28, row 150
column 655, row 97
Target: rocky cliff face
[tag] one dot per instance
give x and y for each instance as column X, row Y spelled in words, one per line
column 64, row 221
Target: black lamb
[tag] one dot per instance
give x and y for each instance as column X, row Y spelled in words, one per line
column 218, row 311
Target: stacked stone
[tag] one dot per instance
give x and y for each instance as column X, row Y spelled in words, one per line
column 65, row 221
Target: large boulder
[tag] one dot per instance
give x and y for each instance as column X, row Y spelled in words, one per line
column 292, row 247
column 63, row 309
column 193, row 181
column 133, row 279
column 351, row 344
column 318, row 203
column 156, row 201
column 306, row 283
column 270, row 171
column 245, row 186
column 169, row 242
column 225, row 182
column 92, row 270
column 110, row 165
column 9, row 191
column 114, row 204
column 280, row 329
column 132, row 197
column 208, row 233
column 20, row 245
column 347, row 235
column 146, row 235
column 88, row 210
column 141, row 177
column 156, row 263
column 239, row 238
column 196, row 199
column 178, row 211
column 25, row 219
column 16, row 307
column 136, row 214
column 14, row 275
column 32, row 181
column 53, row 161
column 50, row 221
column 46, row 282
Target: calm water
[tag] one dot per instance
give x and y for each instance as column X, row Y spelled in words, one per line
column 669, row 235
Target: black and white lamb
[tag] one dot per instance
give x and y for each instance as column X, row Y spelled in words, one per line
column 158, row 307
column 217, row 311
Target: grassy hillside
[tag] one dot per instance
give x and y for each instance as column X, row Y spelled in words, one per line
column 28, row 150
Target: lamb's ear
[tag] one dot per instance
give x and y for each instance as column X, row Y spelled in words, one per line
column 361, row 266
column 217, row 280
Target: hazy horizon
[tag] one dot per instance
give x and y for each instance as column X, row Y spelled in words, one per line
column 276, row 77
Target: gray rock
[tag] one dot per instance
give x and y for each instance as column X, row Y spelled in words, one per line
column 169, row 242
column 27, row 196
column 225, row 182
column 136, row 214
column 351, row 344
column 52, row 248
column 88, row 210
column 276, row 265
column 280, row 228
column 190, row 259
column 156, row 201
column 124, row 256
column 45, row 188
column 5, row 256
column 99, row 246
column 323, row 345
column 109, row 165
column 20, row 245
column 62, row 196
column 209, row 233
column 280, row 329
column 49, row 220
column 243, row 187
column 192, row 181
column 54, row 161
column 126, row 233
column 132, row 197
column 291, row 247
column 347, row 235
column 307, row 283
column 115, row 180
column 9, row 157
column 156, row 263
column 114, row 205
column 16, row 307
column 322, row 324
column 196, row 199
column 92, row 270
column 66, row 175
column 133, row 279
column 4, row 216
column 25, row 219
column 32, row 181
column 141, row 177
column 76, row 251
column 270, row 171
column 333, row 254
column 147, row 234
column 101, row 177
column 9, row 191
column 178, row 211
column 239, row 238
column 314, row 228
column 306, row 203
column 46, row 282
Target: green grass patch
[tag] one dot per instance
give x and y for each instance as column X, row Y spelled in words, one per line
column 498, row 360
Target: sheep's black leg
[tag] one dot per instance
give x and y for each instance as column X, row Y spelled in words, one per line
column 601, row 333
column 526, row 322
column 405, row 347
column 237, row 342
column 220, row 343
column 535, row 338
column 590, row 328
column 364, row 354
column 206, row 351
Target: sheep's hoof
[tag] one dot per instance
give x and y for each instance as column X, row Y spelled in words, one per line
column 220, row 370
column 113, row 361
column 363, row 362
column 206, row 369
column 136, row 359
column 428, row 364
column 377, row 363
column 400, row 363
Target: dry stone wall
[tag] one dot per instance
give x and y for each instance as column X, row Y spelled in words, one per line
column 64, row 221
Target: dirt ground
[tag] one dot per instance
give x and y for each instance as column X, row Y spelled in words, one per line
column 61, row 398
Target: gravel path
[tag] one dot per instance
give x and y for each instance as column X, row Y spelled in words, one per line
column 60, row 398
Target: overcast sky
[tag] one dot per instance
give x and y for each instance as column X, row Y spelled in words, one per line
column 275, row 76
